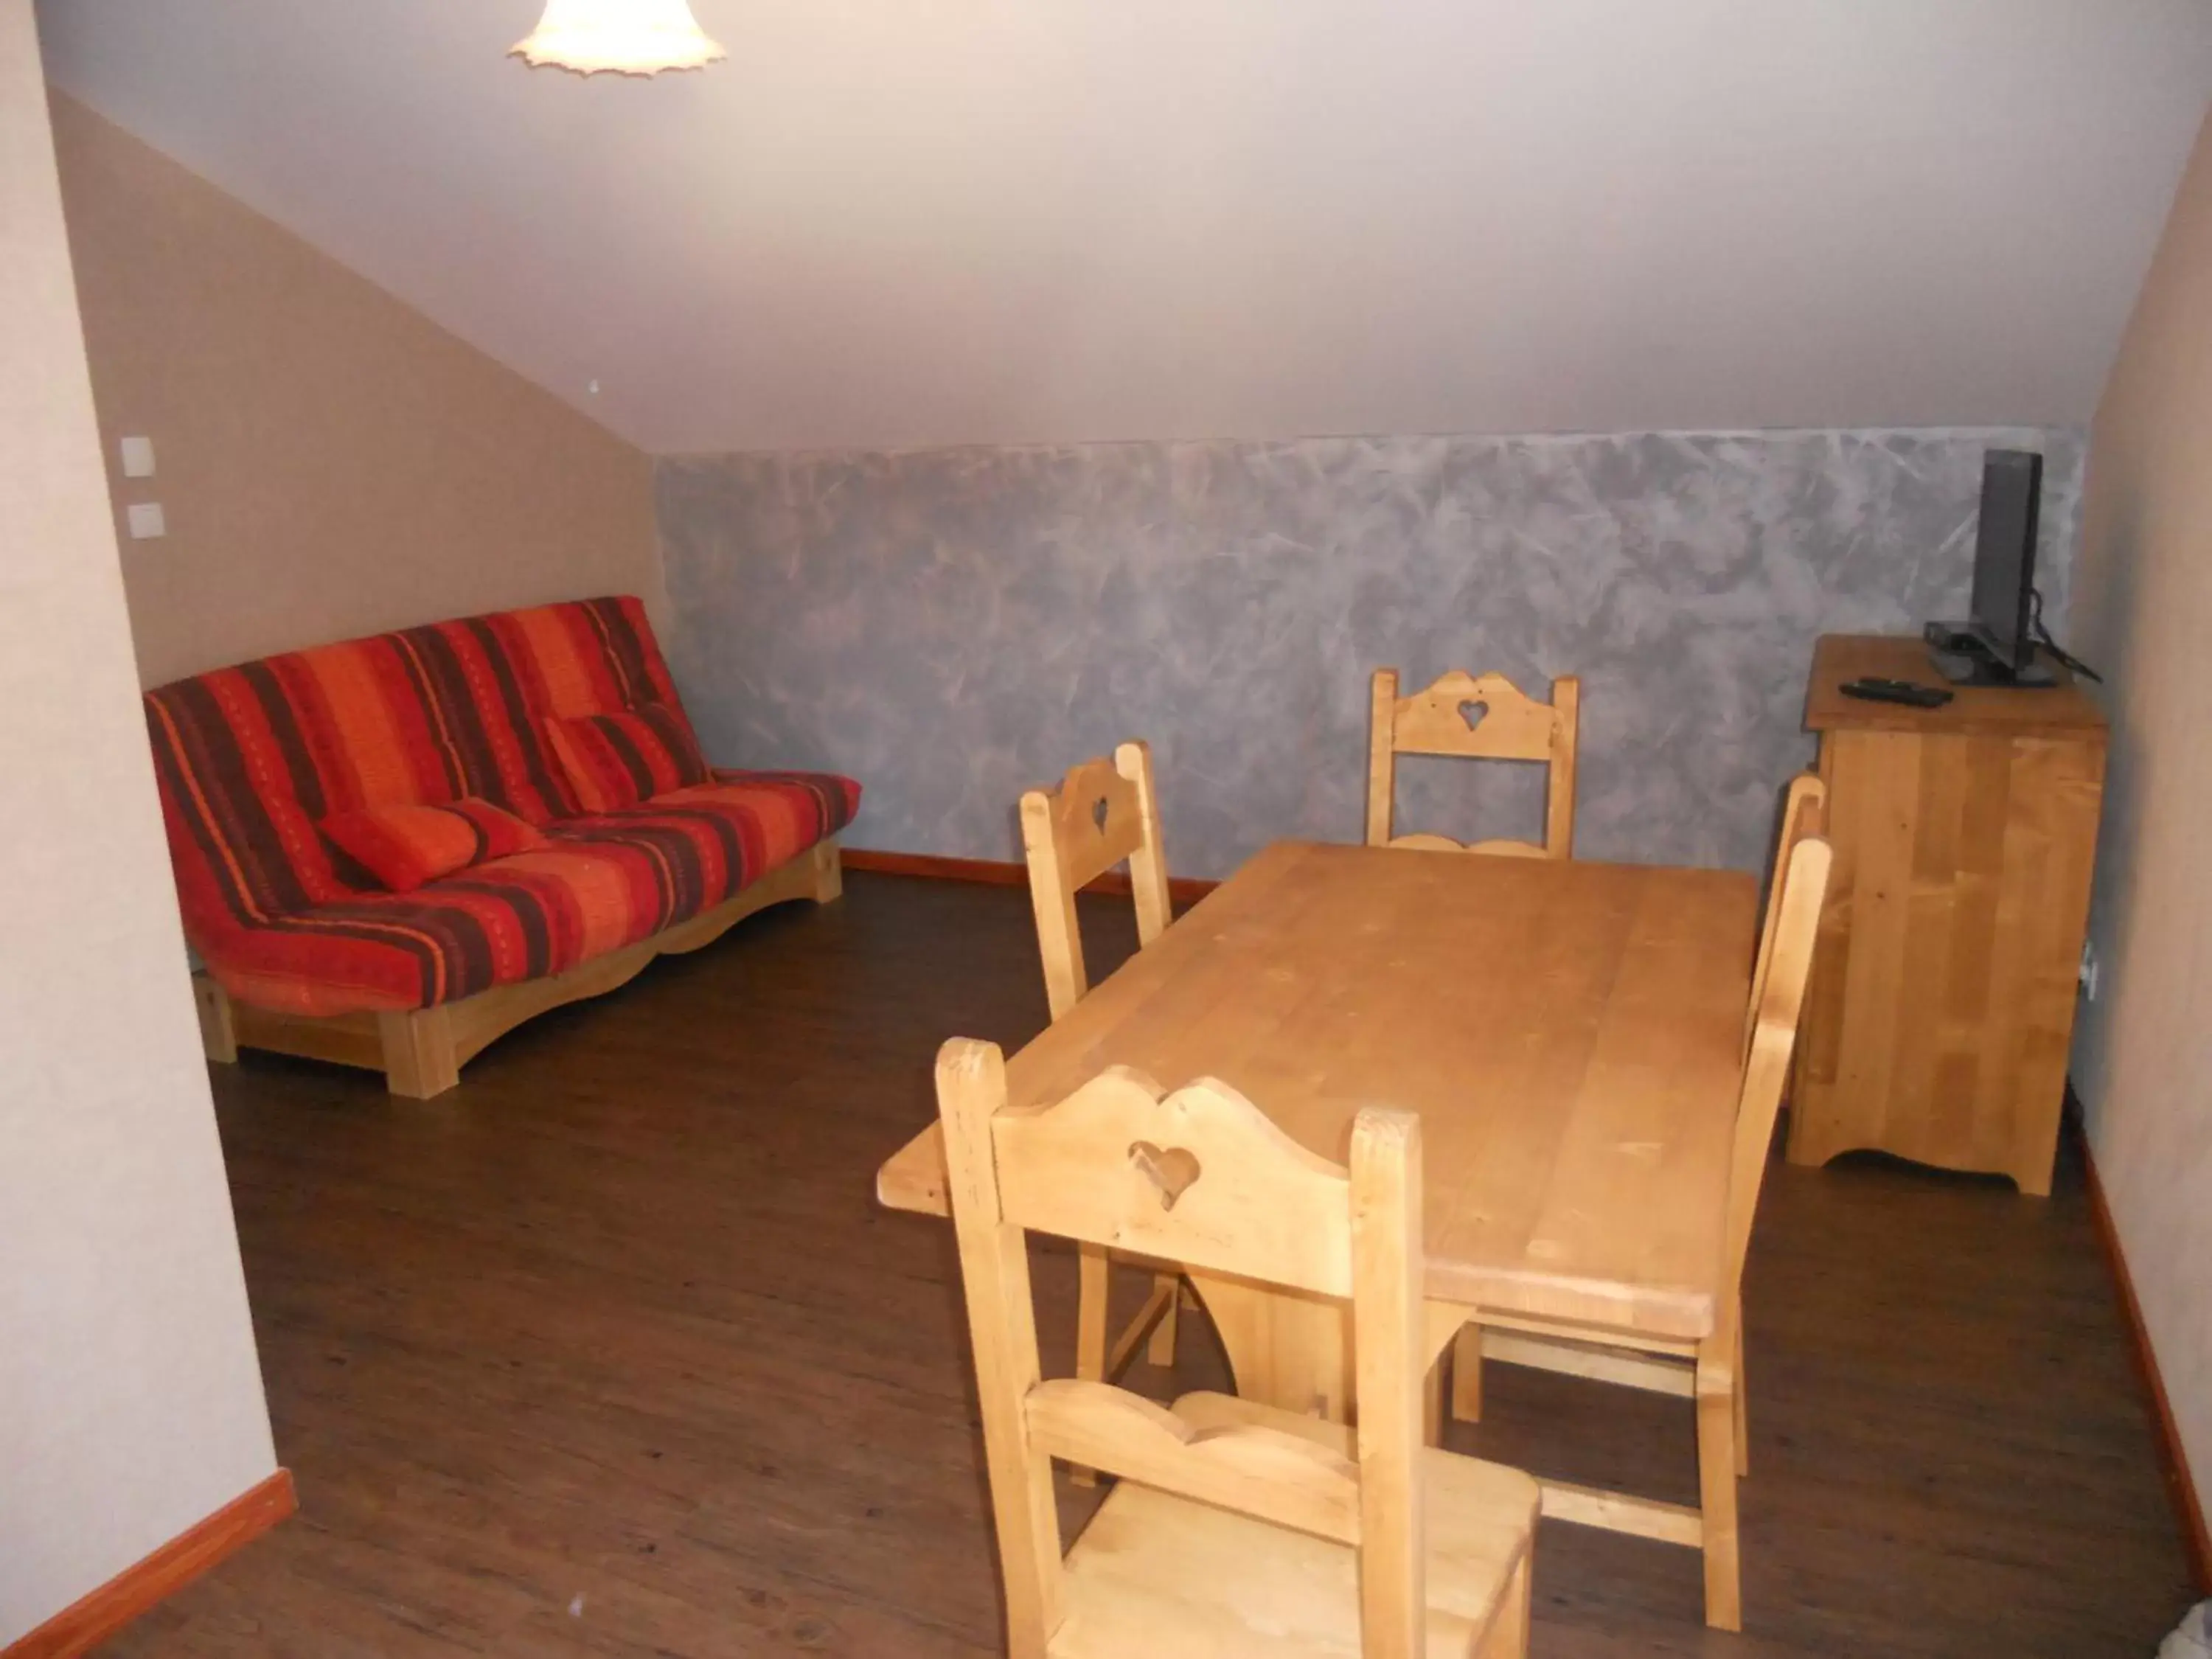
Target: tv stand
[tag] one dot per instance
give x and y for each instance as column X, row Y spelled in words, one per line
column 1941, row 1008
column 1963, row 658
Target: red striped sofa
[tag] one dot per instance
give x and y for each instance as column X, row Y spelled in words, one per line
column 307, row 952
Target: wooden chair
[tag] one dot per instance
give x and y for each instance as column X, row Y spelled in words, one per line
column 1513, row 726
column 1710, row 1371
column 1104, row 813
column 1236, row 1529
column 1804, row 812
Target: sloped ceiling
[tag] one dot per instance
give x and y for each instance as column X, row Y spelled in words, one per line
column 909, row 222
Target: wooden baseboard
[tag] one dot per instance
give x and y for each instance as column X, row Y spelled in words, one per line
column 2174, row 1457
column 92, row 1620
column 1185, row 890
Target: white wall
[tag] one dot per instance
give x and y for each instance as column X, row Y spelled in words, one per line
column 896, row 223
column 131, row 1404
column 2142, row 612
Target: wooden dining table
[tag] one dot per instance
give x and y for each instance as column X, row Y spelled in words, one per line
column 1572, row 1034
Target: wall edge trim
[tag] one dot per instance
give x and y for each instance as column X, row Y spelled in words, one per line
column 99, row 1613
column 996, row 872
column 2173, row 1458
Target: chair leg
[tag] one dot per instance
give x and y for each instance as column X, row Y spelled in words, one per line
column 1717, row 1495
column 1435, row 1411
column 1161, row 1349
column 1467, row 1374
column 1742, row 1395
column 1093, row 1278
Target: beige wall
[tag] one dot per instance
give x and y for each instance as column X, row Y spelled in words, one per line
column 130, row 1404
column 330, row 463
column 2143, row 610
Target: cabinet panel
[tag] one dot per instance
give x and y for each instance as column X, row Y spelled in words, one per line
column 1941, row 1006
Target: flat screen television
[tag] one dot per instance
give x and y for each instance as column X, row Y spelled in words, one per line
column 2004, row 555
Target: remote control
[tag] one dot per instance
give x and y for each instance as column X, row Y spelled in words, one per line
column 1872, row 689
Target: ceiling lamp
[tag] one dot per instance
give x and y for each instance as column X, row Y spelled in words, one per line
column 631, row 37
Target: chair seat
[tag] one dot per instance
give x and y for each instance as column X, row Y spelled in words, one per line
column 1158, row 1574
column 601, row 882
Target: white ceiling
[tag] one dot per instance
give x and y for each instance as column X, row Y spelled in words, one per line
column 909, row 221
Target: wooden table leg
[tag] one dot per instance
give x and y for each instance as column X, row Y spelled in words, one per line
column 1467, row 1374
column 1294, row 1350
column 1434, row 1412
column 1286, row 1349
column 1160, row 1349
column 1095, row 1281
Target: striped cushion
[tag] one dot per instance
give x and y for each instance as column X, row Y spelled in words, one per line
column 403, row 845
column 251, row 760
column 598, row 885
column 614, row 761
column 720, row 836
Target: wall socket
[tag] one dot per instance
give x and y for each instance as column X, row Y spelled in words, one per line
column 2089, row 967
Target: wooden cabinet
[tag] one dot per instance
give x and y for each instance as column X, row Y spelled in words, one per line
column 1941, row 1004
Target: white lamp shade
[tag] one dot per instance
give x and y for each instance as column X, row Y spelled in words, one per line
column 631, row 37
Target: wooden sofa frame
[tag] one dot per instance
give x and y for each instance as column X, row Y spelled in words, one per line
column 420, row 1051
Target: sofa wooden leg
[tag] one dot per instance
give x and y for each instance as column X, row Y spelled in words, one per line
column 218, row 1028
column 828, row 873
column 420, row 1060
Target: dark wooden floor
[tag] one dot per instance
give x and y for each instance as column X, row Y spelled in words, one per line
column 610, row 1352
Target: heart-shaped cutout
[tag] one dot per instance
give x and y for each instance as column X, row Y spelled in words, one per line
column 1474, row 714
column 1098, row 813
column 1172, row 1171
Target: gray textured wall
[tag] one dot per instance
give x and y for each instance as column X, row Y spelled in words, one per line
column 952, row 625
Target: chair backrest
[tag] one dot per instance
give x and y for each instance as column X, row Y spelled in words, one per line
column 1103, row 813
column 1774, row 1014
column 1512, row 726
column 1201, row 1177
column 1804, row 812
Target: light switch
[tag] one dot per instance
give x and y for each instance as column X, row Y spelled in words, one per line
column 146, row 521
column 137, row 458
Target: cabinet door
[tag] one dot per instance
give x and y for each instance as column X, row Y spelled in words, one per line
column 1942, row 999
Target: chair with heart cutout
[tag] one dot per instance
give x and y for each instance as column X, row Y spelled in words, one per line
column 1484, row 717
column 1709, row 1373
column 1104, row 813
column 1234, row 1529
